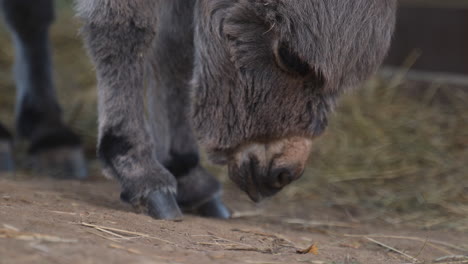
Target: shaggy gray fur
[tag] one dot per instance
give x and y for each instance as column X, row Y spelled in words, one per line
column 238, row 72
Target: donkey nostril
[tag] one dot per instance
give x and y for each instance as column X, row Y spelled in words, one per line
column 284, row 178
column 281, row 178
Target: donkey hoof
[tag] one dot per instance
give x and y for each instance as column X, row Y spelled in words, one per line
column 163, row 205
column 63, row 163
column 214, row 208
column 6, row 157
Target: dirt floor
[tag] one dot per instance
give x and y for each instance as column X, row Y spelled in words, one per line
column 48, row 221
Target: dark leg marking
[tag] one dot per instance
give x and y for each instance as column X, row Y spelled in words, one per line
column 181, row 164
column 113, row 145
column 198, row 192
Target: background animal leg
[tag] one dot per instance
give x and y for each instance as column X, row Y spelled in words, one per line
column 54, row 148
column 6, row 156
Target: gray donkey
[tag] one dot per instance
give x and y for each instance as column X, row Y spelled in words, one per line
column 252, row 81
column 54, row 148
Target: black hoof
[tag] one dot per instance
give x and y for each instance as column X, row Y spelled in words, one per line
column 214, row 208
column 163, row 205
column 6, row 157
column 63, row 163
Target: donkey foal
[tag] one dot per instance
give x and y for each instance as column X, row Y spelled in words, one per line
column 252, row 81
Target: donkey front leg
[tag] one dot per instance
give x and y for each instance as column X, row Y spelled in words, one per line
column 54, row 148
column 119, row 35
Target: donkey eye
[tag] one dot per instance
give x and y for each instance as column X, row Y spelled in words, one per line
column 289, row 61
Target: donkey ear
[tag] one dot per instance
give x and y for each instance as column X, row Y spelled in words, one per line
column 289, row 61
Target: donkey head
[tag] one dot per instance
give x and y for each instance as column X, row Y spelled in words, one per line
column 267, row 73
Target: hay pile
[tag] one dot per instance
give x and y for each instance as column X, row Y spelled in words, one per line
column 397, row 148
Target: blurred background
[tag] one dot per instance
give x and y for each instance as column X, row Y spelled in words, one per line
column 396, row 148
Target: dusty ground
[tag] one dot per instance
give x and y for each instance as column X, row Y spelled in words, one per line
column 47, row 221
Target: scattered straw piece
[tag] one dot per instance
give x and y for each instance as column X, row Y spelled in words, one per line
column 246, row 214
column 10, row 227
column 452, row 258
column 236, row 247
column 130, row 250
column 354, row 245
column 313, row 249
column 449, row 262
column 261, row 262
column 110, row 232
column 422, row 248
column 115, row 231
column 14, row 234
column 63, row 213
column 318, row 223
column 255, row 232
column 103, row 236
column 254, row 249
column 227, row 244
column 430, row 242
column 262, row 233
column 392, row 249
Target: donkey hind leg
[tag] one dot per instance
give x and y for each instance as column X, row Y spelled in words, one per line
column 119, row 41
column 197, row 191
column 6, row 155
column 54, row 148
